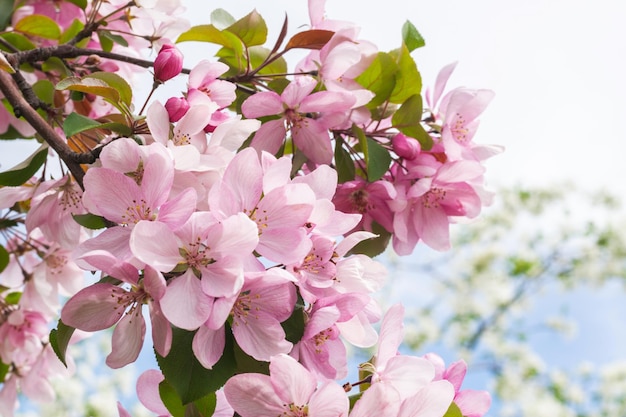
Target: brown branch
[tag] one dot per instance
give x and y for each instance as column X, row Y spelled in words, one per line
column 21, row 106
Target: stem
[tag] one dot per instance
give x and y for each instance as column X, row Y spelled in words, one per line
column 72, row 159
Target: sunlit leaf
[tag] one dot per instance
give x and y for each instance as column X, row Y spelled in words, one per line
column 80, row 3
column 221, row 19
column 258, row 54
column 90, row 85
column 115, row 81
column 408, row 79
column 408, row 121
column 71, row 31
column 23, row 171
column 57, row 65
column 411, row 37
column 38, row 25
column 379, row 78
column 16, row 40
column 453, row 411
column 60, row 339
column 251, row 29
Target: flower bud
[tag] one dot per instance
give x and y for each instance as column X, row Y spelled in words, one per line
column 405, row 147
column 168, row 63
column 176, row 108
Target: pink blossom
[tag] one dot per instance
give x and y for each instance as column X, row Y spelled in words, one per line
column 309, row 134
column 472, row 403
column 176, row 108
column 370, row 199
column 203, row 78
column 168, row 63
column 289, row 390
column 21, row 336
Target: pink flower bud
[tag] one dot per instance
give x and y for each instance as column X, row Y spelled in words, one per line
column 405, row 147
column 176, row 108
column 168, row 63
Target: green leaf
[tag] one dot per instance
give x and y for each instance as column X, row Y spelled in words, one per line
column 203, row 407
column 115, row 81
column 90, row 85
column 38, row 25
column 375, row 246
column 22, row 172
column 4, row 369
column 258, row 54
column 18, row 41
column 354, row 398
column 294, row 325
column 251, row 29
column 56, row 64
column 379, row 78
column 411, row 37
column 170, row 399
column 247, row 364
column 76, row 123
column 44, row 89
column 71, row 31
column 221, row 19
column 343, row 163
column 80, row 3
column 188, row 377
column 309, row 39
column 453, row 411
column 4, row 258
column 108, row 39
column 13, row 298
column 378, row 160
column 408, row 121
column 90, row 221
column 408, row 79
column 211, row 34
column 6, row 12
column 60, row 339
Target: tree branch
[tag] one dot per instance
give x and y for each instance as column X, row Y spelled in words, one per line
column 21, row 106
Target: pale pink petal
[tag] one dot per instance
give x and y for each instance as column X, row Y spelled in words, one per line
column 261, row 336
column 148, row 391
column 456, row 373
column 313, row 140
column 188, row 315
column 297, row 91
column 330, row 400
column 270, row 136
column 94, row 308
column 408, row 374
column 161, row 329
column 208, row 345
column 158, row 176
column 440, row 83
column 231, row 135
column 159, row 122
column 261, row 104
column 391, row 334
column 291, row 381
column 433, row 227
column 112, row 193
column 284, row 245
column 327, row 101
column 379, row 400
column 431, row 401
column 177, row 211
column 252, row 395
column 155, row 244
column 127, row 340
column 473, row 403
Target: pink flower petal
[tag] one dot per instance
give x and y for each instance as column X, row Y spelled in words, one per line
column 127, row 340
column 197, row 306
column 96, row 307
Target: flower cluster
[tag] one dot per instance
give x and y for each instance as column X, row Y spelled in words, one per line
column 243, row 213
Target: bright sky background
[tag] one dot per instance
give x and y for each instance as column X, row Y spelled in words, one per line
column 557, row 66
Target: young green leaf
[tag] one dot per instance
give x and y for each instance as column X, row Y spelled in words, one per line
column 453, row 411
column 251, row 29
column 379, row 78
column 408, row 78
column 60, row 339
column 115, row 81
column 221, row 19
column 408, row 121
column 411, row 37
column 23, row 171
column 38, row 25
column 343, row 163
column 76, row 123
column 90, row 85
